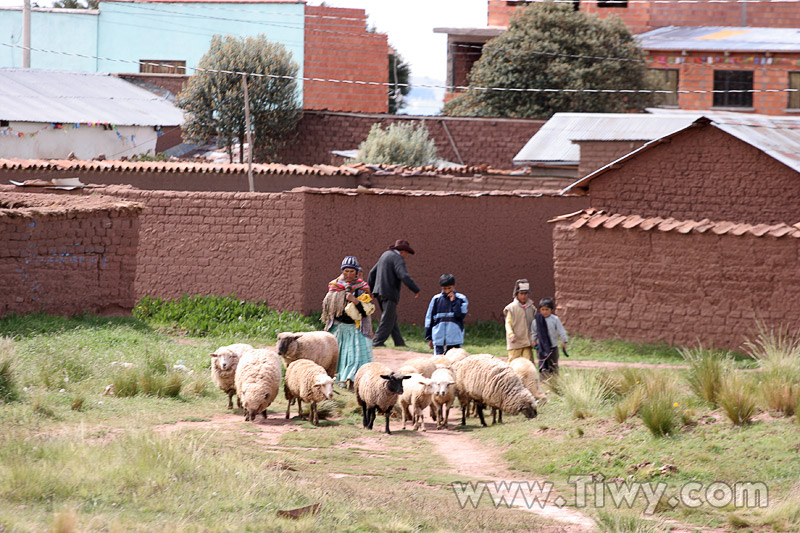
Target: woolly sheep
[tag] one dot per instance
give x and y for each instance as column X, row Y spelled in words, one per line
column 377, row 388
column 417, row 393
column 223, row 369
column 440, row 359
column 527, row 372
column 456, row 354
column 306, row 381
column 490, row 382
column 318, row 346
column 444, row 392
column 258, row 377
column 418, row 365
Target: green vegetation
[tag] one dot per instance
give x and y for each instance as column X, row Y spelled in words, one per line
column 706, row 373
column 737, row 399
column 584, row 393
column 399, row 144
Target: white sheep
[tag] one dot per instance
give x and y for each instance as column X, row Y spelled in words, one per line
column 223, row 369
column 456, row 354
column 527, row 372
column 306, row 381
column 490, row 382
column 377, row 388
column 418, row 365
column 258, row 377
column 440, row 359
column 417, row 394
column 444, row 392
column 318, row 346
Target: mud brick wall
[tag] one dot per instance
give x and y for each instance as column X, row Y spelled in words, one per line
column 651, row 286
column 480, row 141
column 701, row 173
column 66, row 255
column 597, row 154
column 486, row 241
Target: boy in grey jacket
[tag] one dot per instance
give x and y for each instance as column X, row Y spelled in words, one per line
column 546, row 330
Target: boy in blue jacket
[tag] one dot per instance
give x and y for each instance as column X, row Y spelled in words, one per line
column 444, row 321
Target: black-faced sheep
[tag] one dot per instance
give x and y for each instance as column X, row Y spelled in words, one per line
column 490, row 382
column 419, row 365
column 318, row 346
column 223, row 369
column 306, row 381
column 258, row 377
column 377, row 388
column 444, row 392
column 417, row 393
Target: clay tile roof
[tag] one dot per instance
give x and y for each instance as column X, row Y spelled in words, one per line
column 632, row 221
column 687, row 226
column 723, row 227
column 614, row 221
column 670, row 224
column 760, row 229
column 650, row 223
column 781, row 229
column 597, row 220
column 741, row 229
column 703, row 226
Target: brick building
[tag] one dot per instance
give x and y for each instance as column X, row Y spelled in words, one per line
column 691, row 46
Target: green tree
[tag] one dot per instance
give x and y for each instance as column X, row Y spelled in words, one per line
column 75, row 4
column 214, row 101
column 538, row 52
column 399, row 73
column 399, row 144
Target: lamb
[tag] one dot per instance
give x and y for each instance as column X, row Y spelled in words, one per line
column 456, row 354
column 258, row 377
column 223, row 369
column 444, row 392
column 318, row 346
column 418, row 365
column 416, row 397
column 490, row 382
column 306, row 381
column 377, row 387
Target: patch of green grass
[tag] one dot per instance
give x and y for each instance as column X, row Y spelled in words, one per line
column 9, row 390
column 659, row 415
column 737, row 399
column 584, row 393
column 707, row 370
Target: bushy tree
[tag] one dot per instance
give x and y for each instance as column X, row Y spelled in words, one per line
column 75, row 4
column 214, row 101
column 399, row 144
column 533, row 54
column 399, row 73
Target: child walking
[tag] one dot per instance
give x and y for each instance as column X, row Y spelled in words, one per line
column 519, row 316
column 444, row 321
column 546, row 330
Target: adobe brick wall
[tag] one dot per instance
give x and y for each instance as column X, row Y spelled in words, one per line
column 344, row 50
column 695, row 74
column 66, row 255
column 701, row 173
column 487, row 242
column 480, row 141
column 597, row 154
column 651, row 286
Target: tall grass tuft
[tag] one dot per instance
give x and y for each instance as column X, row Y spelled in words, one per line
column 737, row 399
column 9, row 390
column 628, row 405
column 777, row 351
column 583, row 392
column 64, row 521
column 616, row 522
column 133, row 381
column 659, row 415
column 706, row 372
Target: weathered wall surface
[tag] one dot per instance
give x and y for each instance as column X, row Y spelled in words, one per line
column 701, row 173
column 66, row 255
column 479, row 141
column 486, row 241
column 681, row 289
column 597, row 154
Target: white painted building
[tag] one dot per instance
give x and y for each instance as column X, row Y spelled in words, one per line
column 48, row 114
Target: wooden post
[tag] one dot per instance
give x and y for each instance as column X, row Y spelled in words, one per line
column 249, row 135
column 26, row 34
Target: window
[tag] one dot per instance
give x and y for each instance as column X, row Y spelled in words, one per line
column 665, row 80
column 733, row 80
column 612, row 3
column 794, row 97
column 161, row 66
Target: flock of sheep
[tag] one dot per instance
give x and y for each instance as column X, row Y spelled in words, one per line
column 480, row 380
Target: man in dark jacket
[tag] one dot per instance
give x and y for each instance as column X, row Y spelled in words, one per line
column 384, row 280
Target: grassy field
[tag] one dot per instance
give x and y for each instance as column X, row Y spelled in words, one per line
column 167, row 455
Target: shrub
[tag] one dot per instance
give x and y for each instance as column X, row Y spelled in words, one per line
column 706, row 372
column 583, row 392
column 399, row 144
column 629, row 405
column 775, row 348
column 737, row 399
column 659, row 415
column 9, row 391
column 780, row 391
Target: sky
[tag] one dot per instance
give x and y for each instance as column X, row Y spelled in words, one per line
column 409, row 26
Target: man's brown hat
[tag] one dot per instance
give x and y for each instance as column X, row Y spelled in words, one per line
column 401, row 246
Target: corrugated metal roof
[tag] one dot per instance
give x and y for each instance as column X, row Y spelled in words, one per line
column 553, row 143
column 29, row 95
column 722, row 38
column 595, row 219
column 778, row 137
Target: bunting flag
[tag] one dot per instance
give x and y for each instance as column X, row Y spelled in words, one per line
column 728, row 60
column 9, row 131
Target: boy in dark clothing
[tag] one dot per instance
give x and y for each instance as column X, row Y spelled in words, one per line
column 546, row 330
column 444, row 321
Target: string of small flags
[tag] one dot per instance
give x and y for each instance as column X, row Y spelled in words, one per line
column 710, row 60
column 9, row 131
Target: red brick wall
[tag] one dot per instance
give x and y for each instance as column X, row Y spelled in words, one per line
column 701, row 173
column 480, row 141
column 487, row 242
column 597, row 154
column 696, row 74
column 66, row 255
column 344, row 50
column 650, row 286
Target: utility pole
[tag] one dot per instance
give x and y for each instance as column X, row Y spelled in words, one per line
column 249, row 135
column 26, row 34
